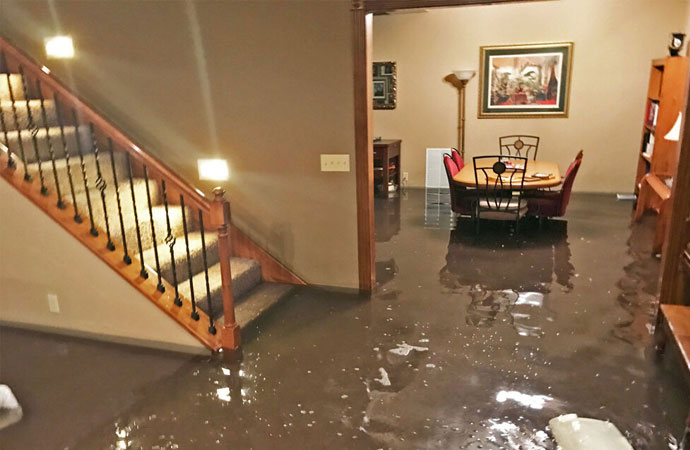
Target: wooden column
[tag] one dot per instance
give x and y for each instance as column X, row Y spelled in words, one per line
column 220, row 210
column 364, row 150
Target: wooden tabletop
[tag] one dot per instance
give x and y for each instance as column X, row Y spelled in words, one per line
column 466, row 176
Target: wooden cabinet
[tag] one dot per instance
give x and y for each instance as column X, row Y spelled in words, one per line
column 387, row 174
column 658, row 157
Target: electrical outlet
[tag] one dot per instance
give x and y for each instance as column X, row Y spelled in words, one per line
column 405, row 176
column 53, row 304
column 335, row 163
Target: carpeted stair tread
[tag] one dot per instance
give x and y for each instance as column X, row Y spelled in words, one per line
column 55, row 140
column 75, row 166
column 17, row 89
column 246, row 273
column 125, row 197
column 144, row 226
column 22, row 118
column 260, row 300
column 195, row 253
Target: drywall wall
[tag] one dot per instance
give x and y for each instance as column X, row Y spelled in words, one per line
column 615, row 41
column 94, row 300
column 266, row 85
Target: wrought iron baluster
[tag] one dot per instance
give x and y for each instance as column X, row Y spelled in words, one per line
column 160, row 286
column 10, row 162
column 65, row 151
column 44, row 116
column 33, row 129
column 195, row 314
column 101, row 184
column 22, row 153
column 211, row 326
column 126, row 258
column 170, row 240
column 93, row 230
column 143, row 273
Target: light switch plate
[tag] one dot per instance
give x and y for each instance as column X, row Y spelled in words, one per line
column 53, row 304
column 335, row 163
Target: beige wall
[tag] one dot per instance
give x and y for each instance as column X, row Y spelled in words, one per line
column 614, row 43
column 94, row 300
column 266, row 85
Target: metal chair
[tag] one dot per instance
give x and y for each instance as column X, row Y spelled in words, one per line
column 519, row 145
column 500, row 183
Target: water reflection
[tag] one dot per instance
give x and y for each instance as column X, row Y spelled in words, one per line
column 494, row 260
column 387, row 218
column 638, row 289
column 437, row 210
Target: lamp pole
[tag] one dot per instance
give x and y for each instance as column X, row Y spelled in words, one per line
column 459, row 79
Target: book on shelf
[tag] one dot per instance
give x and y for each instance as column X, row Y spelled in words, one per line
column 648, row 148
column 652, row 113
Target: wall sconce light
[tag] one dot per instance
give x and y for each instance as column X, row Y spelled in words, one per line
column 59, row 47
column 674, row 133
column 213, row 169
column 459, row 79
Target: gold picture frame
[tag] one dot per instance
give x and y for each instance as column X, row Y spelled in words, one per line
column 528, row 80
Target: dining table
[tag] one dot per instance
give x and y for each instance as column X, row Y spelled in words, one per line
column 539, row 174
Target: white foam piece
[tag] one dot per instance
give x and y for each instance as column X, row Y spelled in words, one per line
column 578, row 433
column 10, row 410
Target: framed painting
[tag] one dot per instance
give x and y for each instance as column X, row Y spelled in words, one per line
column 385, row 89
column 530, row 80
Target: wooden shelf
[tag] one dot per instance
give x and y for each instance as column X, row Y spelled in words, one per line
column 665, row 94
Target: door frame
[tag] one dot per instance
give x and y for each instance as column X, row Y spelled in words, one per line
column 362, row 23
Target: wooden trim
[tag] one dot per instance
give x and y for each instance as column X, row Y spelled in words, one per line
column 51, row 84
column 677, row 230
column 271, row 269
column 391, row 5
column 364, row 150
column 130, row 273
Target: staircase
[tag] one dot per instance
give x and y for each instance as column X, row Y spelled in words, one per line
column 171, row 242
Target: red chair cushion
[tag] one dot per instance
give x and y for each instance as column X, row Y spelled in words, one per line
column 451, row 168
column 458, row 159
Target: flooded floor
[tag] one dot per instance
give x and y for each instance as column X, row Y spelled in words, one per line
column 468, row 343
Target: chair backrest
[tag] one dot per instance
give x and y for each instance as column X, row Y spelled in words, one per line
column 450, row 166
column 519, row 145
column 457, row 158
column 498, row 178
column 568, row 181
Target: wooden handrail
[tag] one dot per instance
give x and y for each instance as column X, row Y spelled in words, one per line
column 16, row 57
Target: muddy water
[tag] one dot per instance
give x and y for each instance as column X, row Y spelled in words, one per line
column 469, row 343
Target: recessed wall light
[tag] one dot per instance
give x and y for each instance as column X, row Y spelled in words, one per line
column 213, row 169
column 45, row 69
column 59, row 47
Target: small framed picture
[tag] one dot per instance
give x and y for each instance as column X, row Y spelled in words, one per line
column 380, row 88
column 385, row 85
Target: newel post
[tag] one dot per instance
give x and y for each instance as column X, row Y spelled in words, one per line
column 220, row 211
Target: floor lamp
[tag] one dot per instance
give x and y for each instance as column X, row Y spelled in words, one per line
column 459, row 79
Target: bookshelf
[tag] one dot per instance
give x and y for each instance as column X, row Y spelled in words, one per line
column 657, row 156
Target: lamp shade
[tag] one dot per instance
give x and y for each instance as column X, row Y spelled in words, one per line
column 464, row 75
column 674, row 133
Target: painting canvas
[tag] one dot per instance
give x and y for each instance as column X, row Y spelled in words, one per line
column 525, row 80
